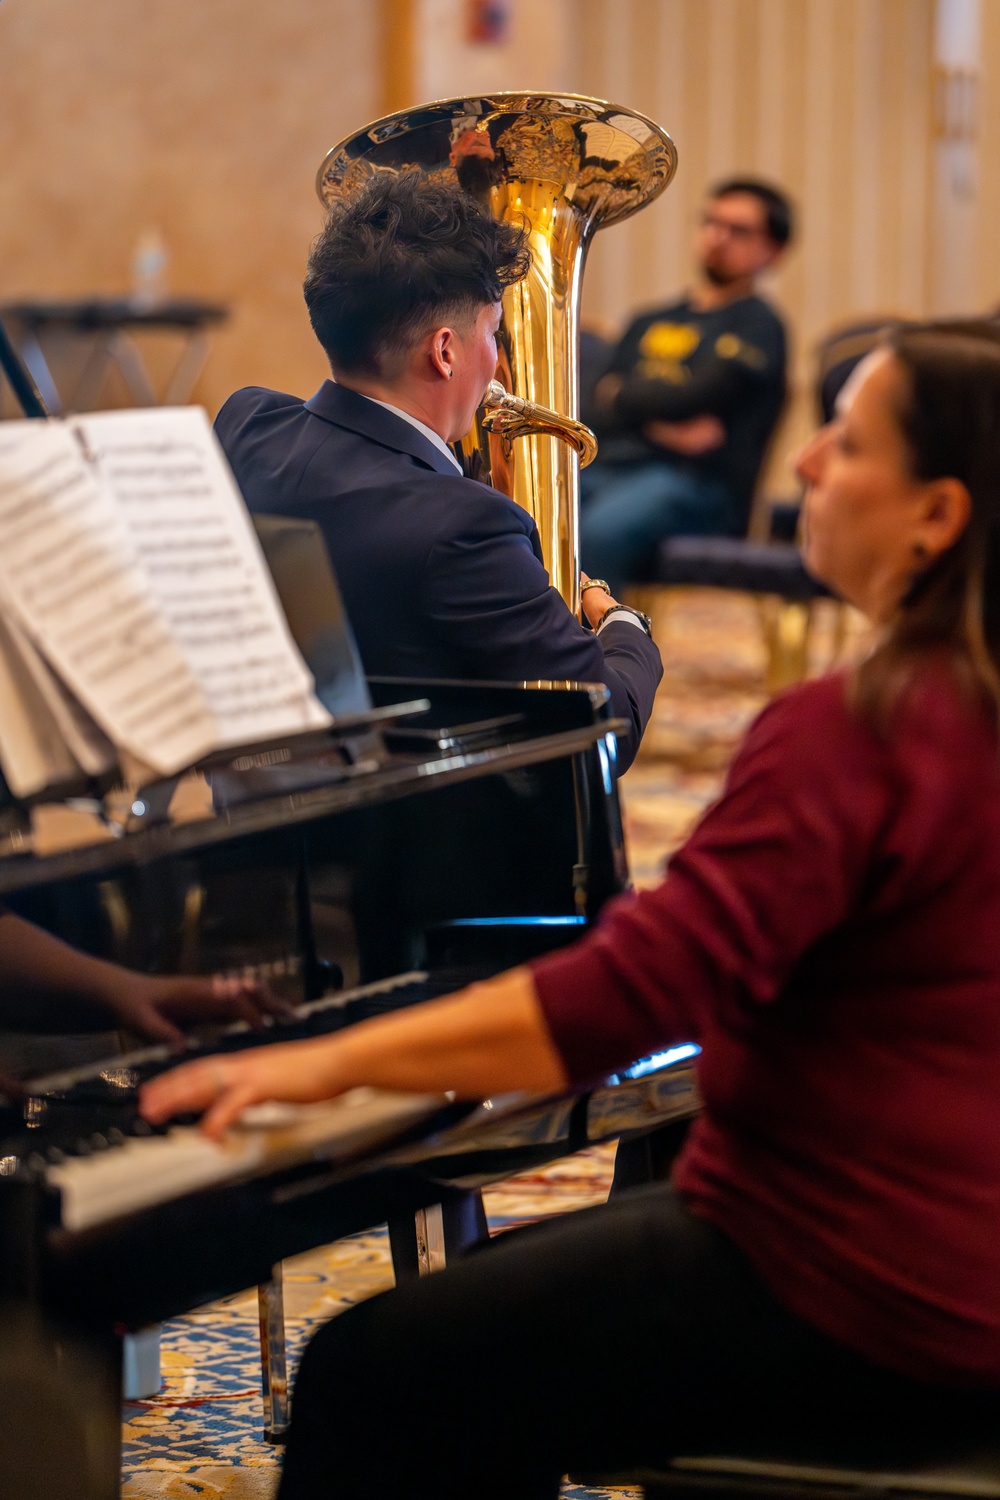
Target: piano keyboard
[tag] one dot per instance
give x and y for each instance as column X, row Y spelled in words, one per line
column 81, row 1132
column 144, row 1171
column 311, row 1019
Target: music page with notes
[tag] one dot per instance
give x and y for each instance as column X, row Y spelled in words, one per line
column 135, row 595
column 196, row 545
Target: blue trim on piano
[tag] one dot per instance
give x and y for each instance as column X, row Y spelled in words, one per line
column 517, row 922
column 658, row 1060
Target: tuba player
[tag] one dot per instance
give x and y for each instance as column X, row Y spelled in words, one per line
column 442, row 576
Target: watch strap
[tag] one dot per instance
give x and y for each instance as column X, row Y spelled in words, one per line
column 627, row 609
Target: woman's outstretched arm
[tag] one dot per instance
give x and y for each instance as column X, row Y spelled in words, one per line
column 487, row 1039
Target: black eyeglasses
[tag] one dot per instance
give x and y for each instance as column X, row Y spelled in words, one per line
column 738, row 231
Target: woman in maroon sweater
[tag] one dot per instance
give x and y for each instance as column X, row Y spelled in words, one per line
column 828, row 1251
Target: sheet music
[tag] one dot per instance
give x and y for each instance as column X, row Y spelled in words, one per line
column 32, row 748
column 69, row 576
column 197, row 546
column 92, row 750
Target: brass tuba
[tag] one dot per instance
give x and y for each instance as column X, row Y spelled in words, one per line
column 566, row 165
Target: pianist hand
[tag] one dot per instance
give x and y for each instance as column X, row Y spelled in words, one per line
column 47, row 986
column 488, row 1039
column 162, row 1007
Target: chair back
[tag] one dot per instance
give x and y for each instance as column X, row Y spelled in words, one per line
column 843, row 349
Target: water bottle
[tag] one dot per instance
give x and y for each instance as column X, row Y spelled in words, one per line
column 149, row 271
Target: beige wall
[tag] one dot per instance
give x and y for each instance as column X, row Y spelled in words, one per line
column 829, row 98
column 208, row 118
column 987, row 237
column 535, row 54
column 205, row 118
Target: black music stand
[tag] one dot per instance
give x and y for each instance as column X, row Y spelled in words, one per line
column 20, row 378
column 103, row 330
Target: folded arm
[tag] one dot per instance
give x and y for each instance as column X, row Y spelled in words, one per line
column 714, row 388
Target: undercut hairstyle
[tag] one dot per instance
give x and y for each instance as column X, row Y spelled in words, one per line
column 777, row 207
column 949, row 416
column 401, row 256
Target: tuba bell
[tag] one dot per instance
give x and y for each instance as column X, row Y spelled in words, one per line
column 565, row 165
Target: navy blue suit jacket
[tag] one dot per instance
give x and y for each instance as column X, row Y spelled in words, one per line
column 441, row 576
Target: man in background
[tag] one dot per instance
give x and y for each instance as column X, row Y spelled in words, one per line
column 692, row 394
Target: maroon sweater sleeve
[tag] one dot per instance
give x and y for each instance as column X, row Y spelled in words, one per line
column 777, row 862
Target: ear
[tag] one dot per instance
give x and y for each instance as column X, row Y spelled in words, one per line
column 945, row 514
column 442, row 350
column 775, row 256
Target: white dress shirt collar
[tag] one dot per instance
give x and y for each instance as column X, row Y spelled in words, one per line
column 428, row 432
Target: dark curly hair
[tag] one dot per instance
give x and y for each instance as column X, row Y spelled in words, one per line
column 399, row 255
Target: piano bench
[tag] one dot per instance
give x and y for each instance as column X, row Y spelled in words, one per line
column 940, row 1466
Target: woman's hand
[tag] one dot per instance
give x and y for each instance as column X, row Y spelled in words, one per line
column 161, row 1007
column 491, row 1038
column 222, row 1087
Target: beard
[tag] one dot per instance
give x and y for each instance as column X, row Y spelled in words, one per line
column 719, row 275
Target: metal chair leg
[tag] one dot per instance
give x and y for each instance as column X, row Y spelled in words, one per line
column 787, row 627
column 840, row 621
column 141, row 1375
column 421, row 1244
column 424, row 1242
column 429, row 1227
column 273, row 1367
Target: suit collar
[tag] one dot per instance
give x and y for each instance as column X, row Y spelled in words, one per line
column 345, row 408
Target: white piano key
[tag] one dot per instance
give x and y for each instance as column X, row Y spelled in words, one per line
column 148, row 1170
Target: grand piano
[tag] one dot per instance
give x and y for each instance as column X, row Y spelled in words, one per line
column 436, row 833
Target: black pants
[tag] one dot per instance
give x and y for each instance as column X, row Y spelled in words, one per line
column 597, row 1342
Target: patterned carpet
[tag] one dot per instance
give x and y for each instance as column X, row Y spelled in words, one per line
column 201, row 1435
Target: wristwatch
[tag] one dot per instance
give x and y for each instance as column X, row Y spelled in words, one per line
column 627, row 609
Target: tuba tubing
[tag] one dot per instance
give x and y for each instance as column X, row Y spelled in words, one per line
column 513, row 417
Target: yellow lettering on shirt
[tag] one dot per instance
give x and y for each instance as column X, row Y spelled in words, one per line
column 728, row 346
column 663, row 369
column 669, row 343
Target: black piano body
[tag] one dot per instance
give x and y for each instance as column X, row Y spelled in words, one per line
column 523, row 820
column 475, row 831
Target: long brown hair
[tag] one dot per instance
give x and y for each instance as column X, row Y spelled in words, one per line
column 950, row 420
